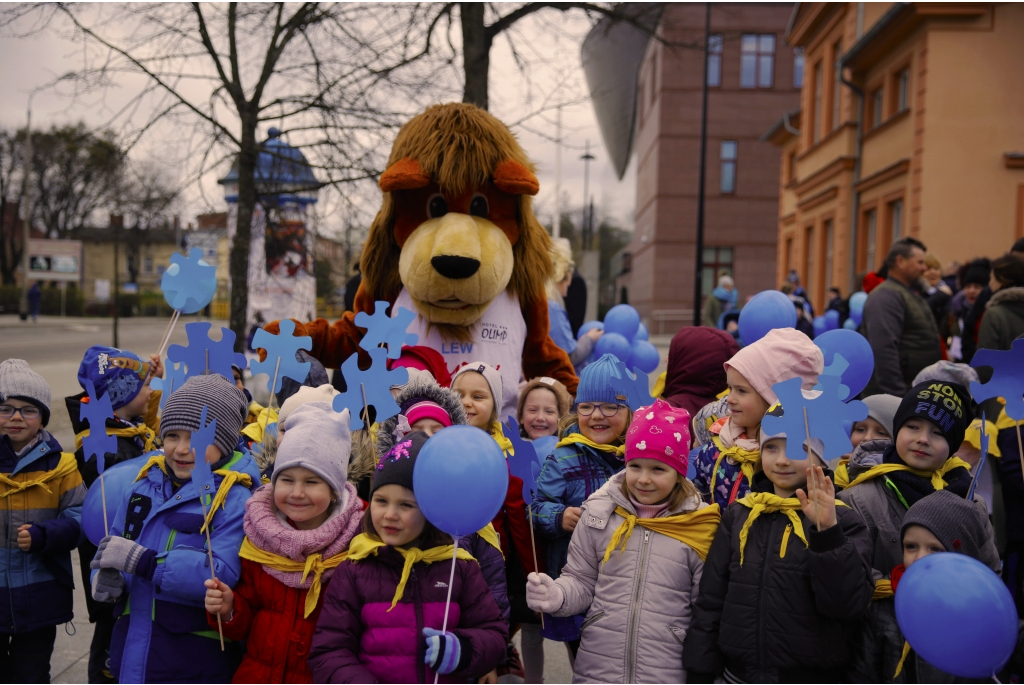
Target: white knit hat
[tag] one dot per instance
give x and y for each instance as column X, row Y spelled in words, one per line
column 305, row 395
column 18, row 380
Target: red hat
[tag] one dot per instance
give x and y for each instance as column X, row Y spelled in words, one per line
column 425, row 359
column 660, row 432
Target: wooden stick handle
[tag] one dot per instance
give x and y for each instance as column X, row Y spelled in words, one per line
column 366, row 409
column 213, row 572
column 167, row 333
column 103, row 494
column 533, row 546
column 811, row 478
column 1020, row 447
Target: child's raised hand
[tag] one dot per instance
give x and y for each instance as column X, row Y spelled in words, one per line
column 156, row 369
column 543, row 593
column 570, row 517
column 219, row 598
column 24, row 537
column 819, row 502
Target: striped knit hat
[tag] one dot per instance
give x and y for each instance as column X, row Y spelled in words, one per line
column 223, row 400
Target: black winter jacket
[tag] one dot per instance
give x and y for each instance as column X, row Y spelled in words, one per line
column 778, row 619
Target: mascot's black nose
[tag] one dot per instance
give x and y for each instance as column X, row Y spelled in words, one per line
column 454, row 267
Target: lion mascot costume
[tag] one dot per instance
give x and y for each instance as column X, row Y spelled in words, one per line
column 456, row 242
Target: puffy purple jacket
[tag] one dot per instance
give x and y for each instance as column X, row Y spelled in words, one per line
column 358, row 640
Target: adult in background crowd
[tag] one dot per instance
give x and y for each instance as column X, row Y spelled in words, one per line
column 1004, row 316
column 576, row 302
column 558, row 318
column 936, row 292
column 722, row 298
column 695, row 372
column 972, row 322
column 899, row 324
column 973, row 278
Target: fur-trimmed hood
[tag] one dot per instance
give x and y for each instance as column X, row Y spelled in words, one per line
column 1011, row 296
column 419, row 388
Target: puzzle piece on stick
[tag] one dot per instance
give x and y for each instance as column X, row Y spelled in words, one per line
column 282, row 347
column 634, row 386
column 221, row 356
column 202, row 439
column 174, row 378
column 386, row 330
column 825, row 415
column 189, row 283
column 96, row 411
column 837, row 368
column 1007, row 377
column 376, row 381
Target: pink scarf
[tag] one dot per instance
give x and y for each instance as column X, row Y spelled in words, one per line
column 732, row 435
column 267, row 529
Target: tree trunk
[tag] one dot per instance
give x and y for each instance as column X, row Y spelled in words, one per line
column 476, row 53
column 247, row 156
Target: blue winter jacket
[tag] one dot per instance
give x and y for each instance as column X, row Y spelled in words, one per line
column 567, row 478
column 560, row 329
column 36, row 587
column 162, row 634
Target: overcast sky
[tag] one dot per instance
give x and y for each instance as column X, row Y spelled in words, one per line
column 555, row 69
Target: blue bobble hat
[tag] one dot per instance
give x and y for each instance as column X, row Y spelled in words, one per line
column 119, row 374
column 596, row 382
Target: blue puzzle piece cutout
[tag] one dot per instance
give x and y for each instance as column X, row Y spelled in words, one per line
column 523, row 460
column 634, row 386
column 376, row 381
column 837, row 368
column 174, row 378
column 825, row 416
column 222, row 353
column 189, row 283
column 96, row 411
column 983, row 445
column 202, row 474
column 382, row 329
column 281, row 347
column 1007, row 377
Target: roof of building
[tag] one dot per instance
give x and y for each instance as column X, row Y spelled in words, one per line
column 783, row 129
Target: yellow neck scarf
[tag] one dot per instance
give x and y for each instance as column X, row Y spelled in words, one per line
column 141, row 431
column 883, row 589
column 362, row 546
column 490, row 536
column 695, row 528
column 65, row 467
column 972, row 435
column 769, row 503
column 228, row 479
column 841, row 476
column 899, row 666
column 315, row 564
column 580, row 439
column 747, row 459
column 499, row 437
column 936, row 476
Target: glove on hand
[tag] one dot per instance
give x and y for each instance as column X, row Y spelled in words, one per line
column 118, row 553
column 443, row 651
column 107, row 585
column 543, row 594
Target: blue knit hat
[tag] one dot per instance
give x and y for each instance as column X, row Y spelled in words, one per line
column 119, row 374
column 596, row 382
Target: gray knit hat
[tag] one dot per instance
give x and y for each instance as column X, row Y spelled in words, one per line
column 224, row 402
column 958, row 524
column 21, row 382
column 318, row 439
column 950, row 372
column 882, row 408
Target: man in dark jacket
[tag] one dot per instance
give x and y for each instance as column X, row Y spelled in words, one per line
column 972, row 322
column 899, row 324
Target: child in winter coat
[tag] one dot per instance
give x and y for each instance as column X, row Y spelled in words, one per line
column 41, row 495
column 542, row 404
column 307, row 515
column 869, row 437
column 930, row 425
column 384, row 608
column 786, row 574
column 122, row 376
column 635, row 560
column 939, row 522
column 156, row 558
column 725, row 467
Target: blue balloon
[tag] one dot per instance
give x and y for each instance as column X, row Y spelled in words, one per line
column 850, row 324
column 957, row 615
column 831, row 320
column 820, row 326
column 644, row 356
column 466, row 462
column 614, row 344
column 857, row 301
column 622, row 319
column 116, row 479
column 766, row 310
column 856, row 350
column 641, row 333
column 589, row 326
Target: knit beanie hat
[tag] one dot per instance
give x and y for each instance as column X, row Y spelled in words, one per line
column 950, row 372
column 882, row 408
column 947, row 405
column 562, row 397
column 118, row 374
column 423, row 358
column 660, row 432
column 19, row 381
column 782, row 354
column 596, row 382
column 425, row 409
column 316, row 377
column 817, row 446
column 318, row 439
column 978, row 272
column 958, row 524
column 395, row 467
column 305, row 394
column 223, row 400
column 492, row 377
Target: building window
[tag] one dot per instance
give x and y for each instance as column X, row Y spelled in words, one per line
column 902, row 90
column 896, row 219
column 147, row 265
column 728, row 166
column 715, row 60
column 837, row 82
column 798, row 67
column 757, row 60
column 717, row 261
column 829, row 251
column 872, row 224
column 816, row 122
column 809, row 279
column 876, row 108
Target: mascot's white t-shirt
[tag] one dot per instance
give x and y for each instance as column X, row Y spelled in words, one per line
column 498, row 339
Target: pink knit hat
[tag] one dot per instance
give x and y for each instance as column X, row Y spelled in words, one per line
column 425, row 409
column 660, row 432
column 782, row 354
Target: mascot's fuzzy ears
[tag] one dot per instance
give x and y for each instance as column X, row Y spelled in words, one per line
column 510, row 176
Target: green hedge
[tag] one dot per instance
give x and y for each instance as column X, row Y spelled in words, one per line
column 131, row 304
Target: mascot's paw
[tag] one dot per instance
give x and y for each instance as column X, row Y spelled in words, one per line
column 275, row 328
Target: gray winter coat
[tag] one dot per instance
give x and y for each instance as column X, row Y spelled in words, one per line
column 639, row 602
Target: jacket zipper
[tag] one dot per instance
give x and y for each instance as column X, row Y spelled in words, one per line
column 760, row 596
column 634, row 612
column 420, row 645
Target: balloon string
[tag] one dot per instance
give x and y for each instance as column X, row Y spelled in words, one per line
column 448, row 601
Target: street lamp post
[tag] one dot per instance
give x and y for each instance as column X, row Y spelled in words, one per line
column 588, row 216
